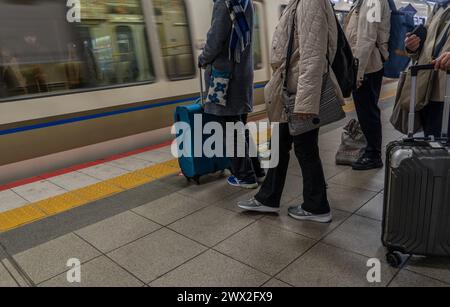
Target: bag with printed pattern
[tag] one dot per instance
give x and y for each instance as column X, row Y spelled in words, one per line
column 218, row 87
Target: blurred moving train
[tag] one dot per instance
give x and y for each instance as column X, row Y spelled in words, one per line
column 76, row 92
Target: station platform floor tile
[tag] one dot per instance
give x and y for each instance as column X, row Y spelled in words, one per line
column 134, row 226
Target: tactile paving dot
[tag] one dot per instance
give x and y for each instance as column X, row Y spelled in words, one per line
column 60, row 203
column 159, row 171
column 97, row 191
column 130, row 181
column 173, row 163
column 19, row 216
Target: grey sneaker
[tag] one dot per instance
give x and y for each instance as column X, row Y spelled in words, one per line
column 256, row 206
column 299, row 214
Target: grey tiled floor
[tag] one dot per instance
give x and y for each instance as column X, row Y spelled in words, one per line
column 6, row 279
column 196, row 236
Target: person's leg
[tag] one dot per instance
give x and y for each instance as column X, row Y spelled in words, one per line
column 369, row 115
column 222, row 120
column 241, row 166
column 256, row 162
column 272, row 188
column 306, row 148
column 431, row 117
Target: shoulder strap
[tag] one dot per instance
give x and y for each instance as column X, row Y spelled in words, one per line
column 441, row 44
column 392, row 5
column 357, row 5
column 290, row 48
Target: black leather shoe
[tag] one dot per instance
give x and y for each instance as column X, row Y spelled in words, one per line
column 367, row 163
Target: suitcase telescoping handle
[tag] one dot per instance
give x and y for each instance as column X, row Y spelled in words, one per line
column 202, row 87
column 412, row 108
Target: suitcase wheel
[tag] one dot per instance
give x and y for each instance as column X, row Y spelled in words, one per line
column 394, row 259
column 196, row 179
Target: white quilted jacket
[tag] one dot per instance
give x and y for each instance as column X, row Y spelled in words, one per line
column 316, row 37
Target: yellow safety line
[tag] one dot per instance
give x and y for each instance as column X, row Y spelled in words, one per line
column 129, row 181
column 64, row 202
column 67, row 201
column 20, row 216
column 59, row 203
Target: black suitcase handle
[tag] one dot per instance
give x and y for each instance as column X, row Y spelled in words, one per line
column 416, row 68
column 202, row 87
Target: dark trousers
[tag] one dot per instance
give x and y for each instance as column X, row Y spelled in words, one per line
column 431, row 117
column 244, row 168
column 314, row 186
column 369, row 115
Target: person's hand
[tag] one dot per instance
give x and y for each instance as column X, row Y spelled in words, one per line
column 442, row 62
column 304, row 116
column 200, row 64
column 412, row 42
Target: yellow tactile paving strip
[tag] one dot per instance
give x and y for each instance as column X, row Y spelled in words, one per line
column 159, row 170
column 97, row 191
column 58, row 204
column 129, row 181
column 173, row 163
column 61, row 203
column 20, row 216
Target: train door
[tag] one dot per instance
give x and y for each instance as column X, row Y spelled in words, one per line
column 173, row 27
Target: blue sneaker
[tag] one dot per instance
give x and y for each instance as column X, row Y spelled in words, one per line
column 233, row 181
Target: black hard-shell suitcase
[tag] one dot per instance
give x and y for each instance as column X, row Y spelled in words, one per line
column 416, row 218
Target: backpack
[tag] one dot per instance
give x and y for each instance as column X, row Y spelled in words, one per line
column 402, row 22
column 345, row 65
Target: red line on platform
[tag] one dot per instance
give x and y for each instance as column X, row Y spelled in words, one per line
column 78, row 167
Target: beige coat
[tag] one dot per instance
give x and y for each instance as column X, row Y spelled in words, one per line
column 431, row 85
column 368, row 38
column 316, row 37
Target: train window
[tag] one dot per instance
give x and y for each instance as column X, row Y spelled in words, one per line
column 257, row 48
column 46, row 54
column 176, row 47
